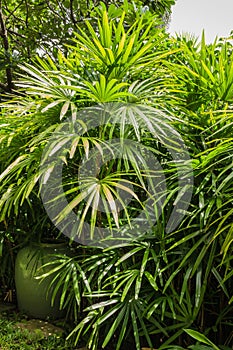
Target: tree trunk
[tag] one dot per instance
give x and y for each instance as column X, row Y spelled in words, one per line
column 3, row 33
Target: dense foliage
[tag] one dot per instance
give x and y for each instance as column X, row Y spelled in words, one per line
column 29, row 27
column 147, row 290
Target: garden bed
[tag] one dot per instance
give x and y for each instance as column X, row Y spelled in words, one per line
column 17, row 331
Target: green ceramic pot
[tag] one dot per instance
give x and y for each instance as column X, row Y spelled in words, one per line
column 32, row 294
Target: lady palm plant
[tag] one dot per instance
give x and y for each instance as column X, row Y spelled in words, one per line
column 209, row 126
column 205, row 72
column 95, row 72
column 108, row 67
column 183, row 275
column 101, row 68
column 149, row 288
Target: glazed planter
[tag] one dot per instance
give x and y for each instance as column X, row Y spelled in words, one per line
column 32, row 293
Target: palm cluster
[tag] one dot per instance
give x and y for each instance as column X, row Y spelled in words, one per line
column 148, row 287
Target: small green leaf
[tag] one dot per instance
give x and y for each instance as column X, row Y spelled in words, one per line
column 200, row 337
